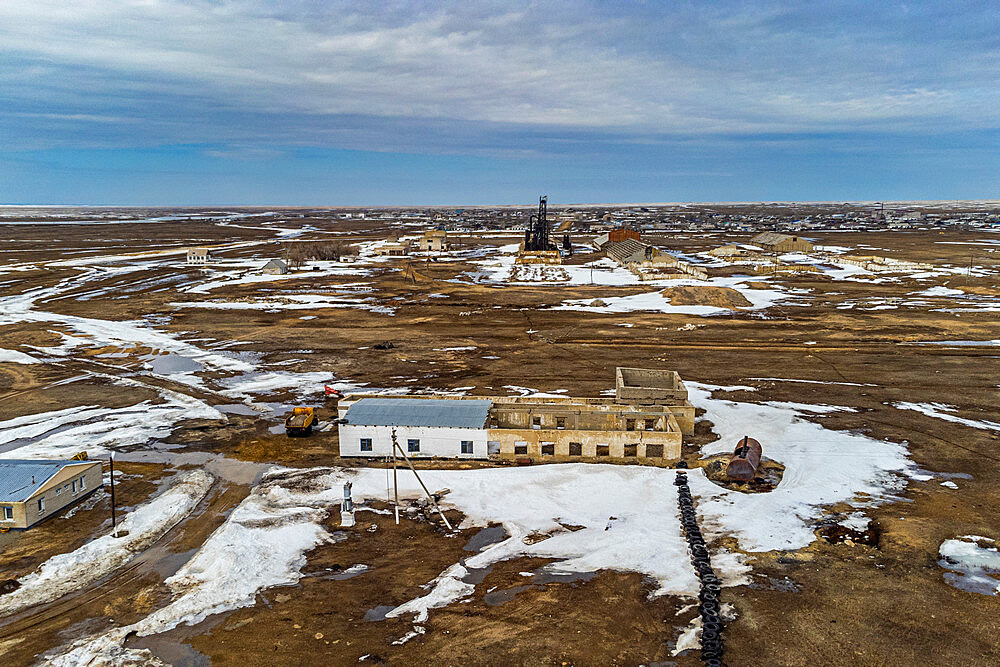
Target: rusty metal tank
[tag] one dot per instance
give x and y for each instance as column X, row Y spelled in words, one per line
column 744, row 461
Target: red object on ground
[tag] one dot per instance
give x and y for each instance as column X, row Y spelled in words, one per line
column 745, row 459
column 330, row 391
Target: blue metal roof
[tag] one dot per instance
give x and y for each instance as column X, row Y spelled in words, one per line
column 419, row 412
column 19, row 478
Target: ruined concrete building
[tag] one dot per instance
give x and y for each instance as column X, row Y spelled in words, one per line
column 644, row 423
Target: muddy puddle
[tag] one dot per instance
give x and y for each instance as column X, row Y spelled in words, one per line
column 486, row 537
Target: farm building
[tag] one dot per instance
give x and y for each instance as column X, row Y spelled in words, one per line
column 275, row 267
column 775, row 242
column 434, row 240
column 644, row 423
column 198, row 256
column 34, row 490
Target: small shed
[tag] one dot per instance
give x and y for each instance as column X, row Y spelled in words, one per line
column 275, row 267
column 32, row 490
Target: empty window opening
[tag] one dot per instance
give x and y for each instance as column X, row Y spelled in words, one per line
column 575, row 449
column 549, row 449
column 492, row 447
column 631, row 450
column 521, row 448
column 366, row 444
column 536, row 422
column 466, row 446
column 629, row 424
column 413, row 445
column 83, row 483
column 74, row 486
column 650, row 425
column 603, row 450
column 654, row 451
column 560, row 422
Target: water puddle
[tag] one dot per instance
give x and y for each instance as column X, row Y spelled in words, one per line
column 167, row 364
column 497, row 598
column 379, row 612
column 486, row 537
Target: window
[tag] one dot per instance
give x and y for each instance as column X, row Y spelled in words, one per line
column 603, row 450
column 366, row 444
column 41, row 505
column 74, row 487
column 629, row 424
column 58, row 490
column 413, row 445
column 654, row 451
column 536, row 422
column 548, row 449
column 560, row 422
column 466, row 446
column 8, row 513
column 520, row 448
column 631, row 450
column 650, row 425
column 83, row 482
column 575, row 449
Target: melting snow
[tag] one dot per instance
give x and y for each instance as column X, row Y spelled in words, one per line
column 72, row 571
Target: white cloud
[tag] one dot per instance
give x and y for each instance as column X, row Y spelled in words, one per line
column 670, row 71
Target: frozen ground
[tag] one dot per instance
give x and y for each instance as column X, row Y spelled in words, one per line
column 822, row 467
column 63, row 433
column 973, row 564
column 77, row 569
column 942, row 411
column 261, row 544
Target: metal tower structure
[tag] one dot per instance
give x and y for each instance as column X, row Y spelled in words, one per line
column 536, row 236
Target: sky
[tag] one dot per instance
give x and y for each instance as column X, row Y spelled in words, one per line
column 326, row 103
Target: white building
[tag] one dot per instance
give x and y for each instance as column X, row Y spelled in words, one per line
column 446, row 428
column 198, row 256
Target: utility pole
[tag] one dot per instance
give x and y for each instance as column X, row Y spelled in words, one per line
column 114, row 522
column 395, row 446
column 395, row 483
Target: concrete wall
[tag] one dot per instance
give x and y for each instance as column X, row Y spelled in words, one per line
column 616, row 441
column 434, row 441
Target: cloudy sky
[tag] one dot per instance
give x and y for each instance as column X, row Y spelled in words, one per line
column 323, row 102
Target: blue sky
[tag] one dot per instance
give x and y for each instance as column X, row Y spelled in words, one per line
column 164, row 102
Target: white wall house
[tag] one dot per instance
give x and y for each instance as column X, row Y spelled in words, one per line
column 424, row 428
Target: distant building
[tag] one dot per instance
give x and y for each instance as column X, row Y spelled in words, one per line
column 434, row 240
column 31, row 491
column 393, row 248
column 275, row 267
column 731, row 250
column 198, row 256
column 775, row 242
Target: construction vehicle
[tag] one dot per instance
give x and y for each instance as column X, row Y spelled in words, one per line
column 300, row 422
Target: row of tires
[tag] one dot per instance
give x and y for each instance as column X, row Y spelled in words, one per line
column 711, row 586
